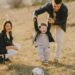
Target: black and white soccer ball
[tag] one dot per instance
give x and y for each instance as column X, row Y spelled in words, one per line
column 37, row 71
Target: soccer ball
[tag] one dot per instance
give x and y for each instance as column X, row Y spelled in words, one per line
column 37, row 71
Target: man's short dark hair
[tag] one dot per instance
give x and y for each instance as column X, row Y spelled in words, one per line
column 58, row 1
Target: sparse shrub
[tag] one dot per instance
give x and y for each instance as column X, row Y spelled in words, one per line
column 15, row 3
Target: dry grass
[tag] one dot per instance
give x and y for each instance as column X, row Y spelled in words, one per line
column 25, row 60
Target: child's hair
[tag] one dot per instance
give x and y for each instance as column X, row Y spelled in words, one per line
column 42, row 24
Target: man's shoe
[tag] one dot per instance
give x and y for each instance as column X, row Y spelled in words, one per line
column 56, row 60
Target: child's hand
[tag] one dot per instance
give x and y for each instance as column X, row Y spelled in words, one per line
column 35, row 18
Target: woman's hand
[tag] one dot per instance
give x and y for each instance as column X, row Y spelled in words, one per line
column 11, row 47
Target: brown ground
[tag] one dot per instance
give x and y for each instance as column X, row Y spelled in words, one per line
column 26, row 59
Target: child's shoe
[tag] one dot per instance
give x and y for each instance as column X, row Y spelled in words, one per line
column 45, row 63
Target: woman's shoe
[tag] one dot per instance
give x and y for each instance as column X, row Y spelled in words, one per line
column 1, row 60
column 7, row 60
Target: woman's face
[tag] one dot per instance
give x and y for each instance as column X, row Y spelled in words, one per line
column 8, row 27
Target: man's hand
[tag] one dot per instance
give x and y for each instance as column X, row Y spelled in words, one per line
column 51, row 20
column 34, row 18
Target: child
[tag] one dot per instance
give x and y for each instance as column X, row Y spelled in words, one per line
column 43, row 37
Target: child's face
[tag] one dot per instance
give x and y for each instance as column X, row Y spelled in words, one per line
column 43, row 29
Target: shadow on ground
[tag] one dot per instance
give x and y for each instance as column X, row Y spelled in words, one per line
column 58, row 65
column 21, row 69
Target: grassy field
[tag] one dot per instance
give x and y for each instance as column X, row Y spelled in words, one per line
column 26, row 58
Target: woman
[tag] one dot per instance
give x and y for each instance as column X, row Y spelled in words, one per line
column 6, row 41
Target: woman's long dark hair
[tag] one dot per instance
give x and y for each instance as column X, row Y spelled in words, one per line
column 4, row 29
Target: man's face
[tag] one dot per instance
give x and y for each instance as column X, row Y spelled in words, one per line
column 56, row 7
column 43, row 29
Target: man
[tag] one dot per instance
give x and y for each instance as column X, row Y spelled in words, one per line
column 58, row 14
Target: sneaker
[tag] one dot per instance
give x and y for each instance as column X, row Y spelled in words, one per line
column 1, row 60
column 45, row 63
column 7, row 60
column 56, row 60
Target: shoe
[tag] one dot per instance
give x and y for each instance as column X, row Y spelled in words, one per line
column 45, row 63
column 56, row 60
column 7, row 60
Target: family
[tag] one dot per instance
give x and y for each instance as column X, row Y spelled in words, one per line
column 57, row 20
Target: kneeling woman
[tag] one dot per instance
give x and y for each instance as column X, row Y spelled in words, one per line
column 6, row 41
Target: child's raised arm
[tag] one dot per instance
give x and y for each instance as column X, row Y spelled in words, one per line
column 49, row 27
column 36, row 25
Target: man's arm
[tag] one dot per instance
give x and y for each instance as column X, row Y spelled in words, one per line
column 36, row 25
column 41, row 10
column 60, row 20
